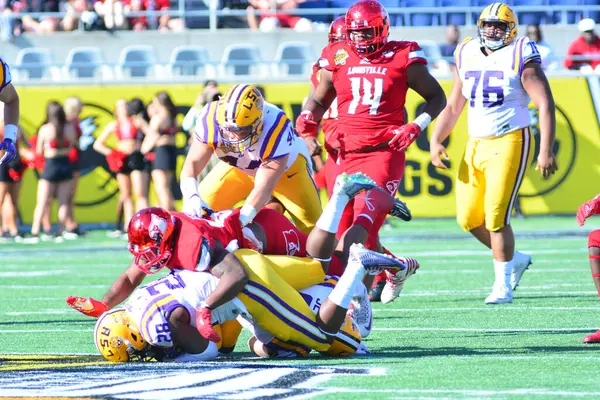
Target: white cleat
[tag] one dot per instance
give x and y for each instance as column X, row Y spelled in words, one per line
column 521, row 263
column 499, row 295
column 395, row 282
column 351, row 185
column 361, row 311
column 372, row 261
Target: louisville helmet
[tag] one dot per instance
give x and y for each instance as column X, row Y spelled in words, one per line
column 240, row 117
column 151, row 233
column 367, row 15
column 498, row 13
column 347, row 341
column 117, row 340
column 337, row 30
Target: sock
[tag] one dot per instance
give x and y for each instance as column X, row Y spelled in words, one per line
column 503, row 270
column 342, row 293
column 335, row 266
column 360, row 291
column 329, row 221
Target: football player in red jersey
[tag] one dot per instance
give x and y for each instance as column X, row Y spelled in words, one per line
column 337, row 33
column 585, row 211
column 188, row 242
column 370, row 77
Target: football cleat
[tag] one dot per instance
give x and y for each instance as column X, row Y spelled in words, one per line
column 593, row 338
column 372, row 261
column 521, row 263
column 395, row 281
column 499, row 295
column 400, row 210
column 360, row 311
column 351, row 185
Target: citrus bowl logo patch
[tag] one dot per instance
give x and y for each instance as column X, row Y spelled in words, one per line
column 340, row 57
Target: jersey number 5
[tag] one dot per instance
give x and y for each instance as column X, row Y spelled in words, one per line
column 487, row 87
column 371, row 94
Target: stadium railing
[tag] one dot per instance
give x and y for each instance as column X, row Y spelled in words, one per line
column 213, row 12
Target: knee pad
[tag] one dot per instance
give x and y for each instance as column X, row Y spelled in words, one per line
column 594, row 238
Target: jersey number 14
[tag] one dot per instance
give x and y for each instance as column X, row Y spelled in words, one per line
column 371, row 97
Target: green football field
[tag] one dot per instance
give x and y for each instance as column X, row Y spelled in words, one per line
column 438, row 340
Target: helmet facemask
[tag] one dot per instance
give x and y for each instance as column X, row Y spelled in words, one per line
column 499, row 40
column 239, row 139
column 149, row 259
column 371, row 42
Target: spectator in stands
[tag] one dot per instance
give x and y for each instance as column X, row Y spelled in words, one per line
column 159, row 21
column 270, row 21
column 587, row 44
column 111, row 11
column 38, row 25
column 73, row 7
column 452, row 35
column 73, row 108
column 548, row 61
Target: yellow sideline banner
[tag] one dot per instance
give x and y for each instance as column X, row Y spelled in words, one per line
column 428, row 191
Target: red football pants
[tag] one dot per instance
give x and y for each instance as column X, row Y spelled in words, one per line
column 386, row 167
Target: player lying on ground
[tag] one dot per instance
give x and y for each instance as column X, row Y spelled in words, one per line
column 585, row 211
column 268, row 300
column 192, row 243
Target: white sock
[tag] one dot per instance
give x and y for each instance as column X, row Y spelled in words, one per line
column 502, row 270
column 346, row 287
column 329, row 220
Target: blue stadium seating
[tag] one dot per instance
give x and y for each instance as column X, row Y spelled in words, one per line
column 595, row 15
column 421, row 19
column 572, row 16
column 325, row 18
column 454, row 17
column 527, row 17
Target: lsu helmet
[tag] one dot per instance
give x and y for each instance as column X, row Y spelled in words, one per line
column 337, row 30
column 347, row 341
column 116, row 339
column 498, row 12
column 240, row 117
column 363, row 15
column 150, row 234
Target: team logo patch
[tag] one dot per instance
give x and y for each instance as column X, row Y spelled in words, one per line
column 392, row 186
column 292, row 242
column 158, row 227
column 340, row 57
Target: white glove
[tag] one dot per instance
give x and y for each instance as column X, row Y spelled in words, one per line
column 193, row 206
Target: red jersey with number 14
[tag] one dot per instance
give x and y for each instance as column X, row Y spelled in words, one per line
column 371, row 92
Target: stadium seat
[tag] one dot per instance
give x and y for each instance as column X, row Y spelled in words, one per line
column 190, row 61
column 136, row 62
column 531, row 17
column 293, row 58
column 572, row 17
column 85, row 62
column 421, row 19
column 35, row 63
column 242, row 59
column 595, row 15
column 436, row 63
column 317, row 4
column 456, row 18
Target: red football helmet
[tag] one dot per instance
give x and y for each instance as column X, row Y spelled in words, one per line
column 367, row 15
column 337, row 30
column 150, row 235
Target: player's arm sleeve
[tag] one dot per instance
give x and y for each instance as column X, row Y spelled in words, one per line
column 416, row 54
column 279, row 138
column 206, row 125
column 529, row 53
column 5, row 75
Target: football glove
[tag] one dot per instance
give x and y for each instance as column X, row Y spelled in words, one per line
column 588, row 209
column 404, row 136
column 196, row 207
column 305, row 124
column 10, row 151
column 204, row 324
column 89, row 307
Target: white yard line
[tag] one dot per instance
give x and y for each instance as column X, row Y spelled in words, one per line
column 436, row 329
column 486, row 308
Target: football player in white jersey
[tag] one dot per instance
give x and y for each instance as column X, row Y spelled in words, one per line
column 497, row 74
column 261, row 156
column 10, row 98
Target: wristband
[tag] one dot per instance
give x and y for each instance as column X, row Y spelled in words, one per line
column 309, row 117
column 247, row 214
column 189, row 187
column 204, row 305
column 10, row 132
column 423, row 120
